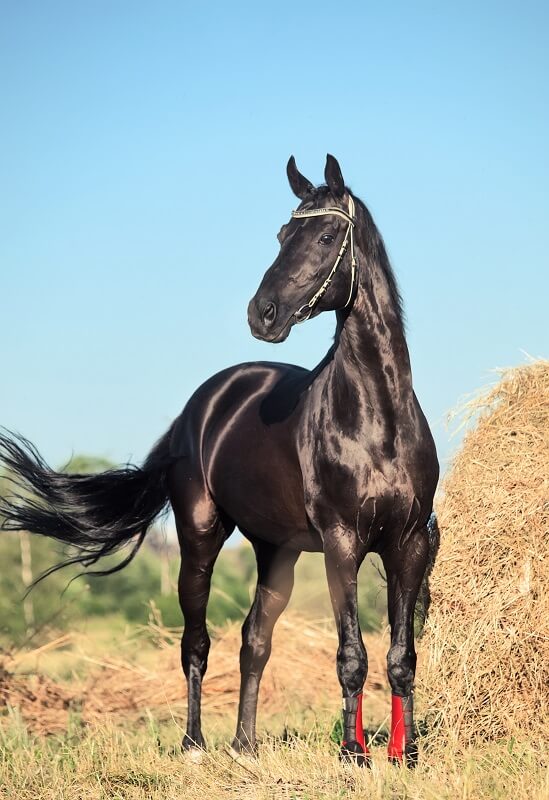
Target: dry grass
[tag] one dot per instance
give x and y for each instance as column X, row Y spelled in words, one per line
column 117, row 727
column 485, row 652
column 111, row 762
column 300, row 674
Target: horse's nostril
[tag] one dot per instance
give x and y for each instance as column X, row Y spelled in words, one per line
column 269, row 314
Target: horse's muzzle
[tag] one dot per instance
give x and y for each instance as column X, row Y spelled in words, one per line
column 262, row 317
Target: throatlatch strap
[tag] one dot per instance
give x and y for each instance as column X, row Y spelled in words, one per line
column 353, row 730
column 402, row 725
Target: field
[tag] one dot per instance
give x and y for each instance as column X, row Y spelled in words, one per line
column 101, row 745
column 92, row 699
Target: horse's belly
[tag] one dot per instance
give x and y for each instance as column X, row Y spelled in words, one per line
column 260, row 487
column 266, row 503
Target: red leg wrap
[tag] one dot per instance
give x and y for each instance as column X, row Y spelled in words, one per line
column 401, row 726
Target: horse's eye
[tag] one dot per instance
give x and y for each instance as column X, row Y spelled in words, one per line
column 326, row 238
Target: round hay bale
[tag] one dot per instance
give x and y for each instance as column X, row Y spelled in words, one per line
column 484, row 668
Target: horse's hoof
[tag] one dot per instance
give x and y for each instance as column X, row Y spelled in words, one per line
column 194, row 755
column 245, row 759
column 193, row 751
column 354, row 753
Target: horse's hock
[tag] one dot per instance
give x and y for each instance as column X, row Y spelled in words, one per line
column 484, row 659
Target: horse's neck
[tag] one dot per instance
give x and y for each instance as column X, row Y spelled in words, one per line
column 371, row 355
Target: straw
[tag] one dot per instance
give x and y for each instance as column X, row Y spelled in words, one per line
column 485, row 651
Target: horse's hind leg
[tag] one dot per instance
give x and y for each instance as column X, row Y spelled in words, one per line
column 405, row 569
column 275, row 580
column 197, row 562
column 201, row 530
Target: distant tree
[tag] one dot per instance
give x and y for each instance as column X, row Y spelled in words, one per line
column 85, row 465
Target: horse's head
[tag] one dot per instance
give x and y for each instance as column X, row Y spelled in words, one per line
column 315, row 269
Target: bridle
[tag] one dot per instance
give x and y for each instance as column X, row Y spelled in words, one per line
column 304, row 312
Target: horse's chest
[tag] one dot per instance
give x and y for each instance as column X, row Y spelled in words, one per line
column 354, row 490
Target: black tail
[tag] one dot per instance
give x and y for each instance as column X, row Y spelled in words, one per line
column 94, row 514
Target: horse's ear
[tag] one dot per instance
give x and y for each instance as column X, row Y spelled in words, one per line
column 301, row 187
column 333, row 176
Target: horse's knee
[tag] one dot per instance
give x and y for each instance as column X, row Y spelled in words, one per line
column 401, row 668
column 352, row 667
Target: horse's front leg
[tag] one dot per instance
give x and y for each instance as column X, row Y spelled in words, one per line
column 405, row 570
column 275, row 580
column 342, row 564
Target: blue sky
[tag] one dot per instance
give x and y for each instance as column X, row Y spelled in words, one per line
column 142, row 165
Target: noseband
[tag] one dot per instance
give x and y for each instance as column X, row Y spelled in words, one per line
column 304, row 312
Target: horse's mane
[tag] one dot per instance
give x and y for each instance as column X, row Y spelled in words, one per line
column 379, row 253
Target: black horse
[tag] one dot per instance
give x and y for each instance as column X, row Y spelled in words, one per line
column 338, row 459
